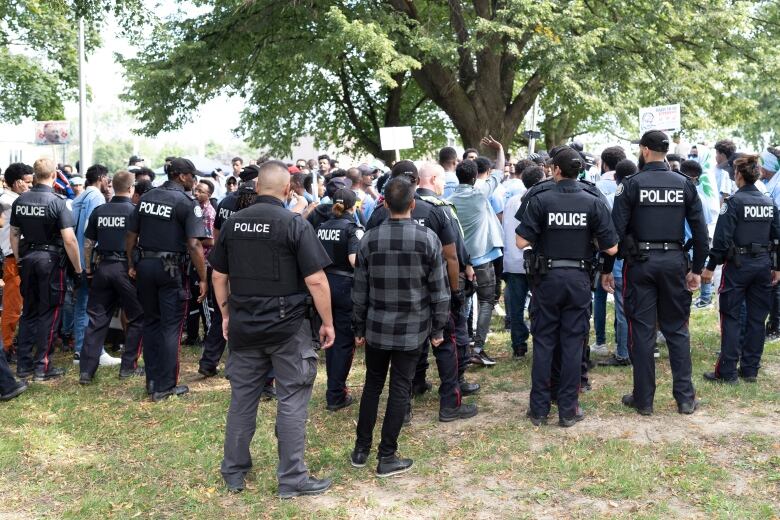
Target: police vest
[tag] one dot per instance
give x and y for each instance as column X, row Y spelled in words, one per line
column 755, row 213
column 260, row 259
column 659, row 208
column 161, row 226
column 566, row 224
column 334, row 235
column 111, row 220
column 36, row 213
column 225, row 210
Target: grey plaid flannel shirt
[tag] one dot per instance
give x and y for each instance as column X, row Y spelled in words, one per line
column 401, row 294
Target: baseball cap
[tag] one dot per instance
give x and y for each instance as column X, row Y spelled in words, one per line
column 77, row 181
column 406, row 168
column 247, row 186
column 182, row 165
column 346, row 197
column 293, row 169
column 655, row 140
column 249, row 172
column 134, row 159
column 335, row 184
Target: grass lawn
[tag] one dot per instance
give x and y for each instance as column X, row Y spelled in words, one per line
column 107, row 452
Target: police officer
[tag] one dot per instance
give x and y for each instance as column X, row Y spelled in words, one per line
column 42, row 237
column 266, row 261
column 561, row 223
column 110, row 285
column 649, row 213
column 165, row 226
column 340, row 236
column 433, row 217
column 747, row 229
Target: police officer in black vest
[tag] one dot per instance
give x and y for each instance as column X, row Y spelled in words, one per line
column 746, row 235
column 43, row 240
column 649, row 213
column 268, row 269
column 561, row 223
column 340, row 236
column 165, row 226
column 434, row 218
column 110, row 285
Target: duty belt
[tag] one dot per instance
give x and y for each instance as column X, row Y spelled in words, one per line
column 163, row 254
column 46, row 247
column 576, row 264
column 659, row 246
column 113, row 256
column 747, row 250
column 339, row 272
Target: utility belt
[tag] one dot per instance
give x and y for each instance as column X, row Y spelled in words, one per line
column 659, row 246
column 51, row 248
column 172, row 261
column 752, row 249
column 339, row 272
column 537, row 265
column 575, row 264
column 111, row 256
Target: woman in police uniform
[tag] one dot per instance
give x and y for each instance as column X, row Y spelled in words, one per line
column 748, row 226
column 340, row 236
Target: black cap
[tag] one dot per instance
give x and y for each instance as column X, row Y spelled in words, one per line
column 182, row 165
column 346, row 197
column 406, row 168
column 247, row 186
column 249, row 172
column 134, row 159
column 335, row 184
column 655, row 140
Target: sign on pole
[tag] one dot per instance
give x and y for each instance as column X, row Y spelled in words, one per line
column 396, row 138
column 52, row 132
column 666, row 118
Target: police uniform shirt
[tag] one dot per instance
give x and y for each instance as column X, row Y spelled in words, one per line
column 40, row 214
column 225, row 209
column 654, row 204
column 266, row 251
column 560, row 222
column 748, row 217
column 165, row 218
column 108, row 224
column 425, row 214
column 340, row 237
column 546, row 184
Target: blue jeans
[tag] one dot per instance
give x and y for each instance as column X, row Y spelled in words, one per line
column 600, row 314
column 706, row 292
column 517, row 291
column 80, row 318
column 621, row 324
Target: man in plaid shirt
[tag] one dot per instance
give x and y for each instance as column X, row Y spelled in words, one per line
column 401, row 298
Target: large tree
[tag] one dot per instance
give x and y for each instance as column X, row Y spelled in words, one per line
column 341, row 69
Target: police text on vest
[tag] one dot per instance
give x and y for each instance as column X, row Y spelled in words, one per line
column 567, row 219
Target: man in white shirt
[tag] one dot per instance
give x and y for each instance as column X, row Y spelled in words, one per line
column 448, row 159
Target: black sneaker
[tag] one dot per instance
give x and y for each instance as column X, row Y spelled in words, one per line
column 176, row 390
column 392, row 465
column 313, row 486
column 585, row 387
column 715, row 378
column 422, row 389
column 358, row 458
column 207, row 372
column 748, row 379
column 131, row 372
column 688, row 408
column 408, row 416
column 10, row 357
column 628, row 400
column 464, row 411
column 24, row 375
column 614, row 361
column 235, row 488
column 348, row 400
column 21, row 387
column 51, row 374
column 482, row 358
column 85, row 379
column 567, row 422
column 468, row 388
column 536, row 420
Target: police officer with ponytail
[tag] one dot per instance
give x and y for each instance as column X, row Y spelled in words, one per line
column 561, row 223
column 745, row 239
column 340, row 236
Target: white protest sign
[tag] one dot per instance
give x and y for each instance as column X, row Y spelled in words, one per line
column 396, row 137
column 665, row 117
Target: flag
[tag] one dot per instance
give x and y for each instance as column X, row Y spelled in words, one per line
column 62, row 184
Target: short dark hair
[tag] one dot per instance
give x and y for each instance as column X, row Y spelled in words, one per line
column 236, row 159
column 231, row 180
column 145, row 171
column 532, row 175
column 399, row 194
column 570, row 162
column 483, row 165
column 611, row 156
column 623, row 169
column 16, row 171
column 354, row 175
column 521, row 165
column 467, row 172
column 297, row 178
column 142, row 187
column 726, row 147
column 467, row 151
column 323, row 156
column 691, row 168
column 209, row 185
column 95, row 172
column 448, row 154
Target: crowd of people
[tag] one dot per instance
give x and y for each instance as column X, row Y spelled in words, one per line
column 274, row 261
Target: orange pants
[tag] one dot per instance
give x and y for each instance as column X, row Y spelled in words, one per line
column 12, row 302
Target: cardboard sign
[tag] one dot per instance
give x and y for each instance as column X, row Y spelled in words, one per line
column 664, row 118
column 396, row 138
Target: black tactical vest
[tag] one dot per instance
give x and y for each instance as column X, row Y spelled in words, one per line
column 567, row 213
column 111, row 221
column 334, row 235
column 755, row 212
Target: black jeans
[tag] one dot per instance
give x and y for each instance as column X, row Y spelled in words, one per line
column 402, row 364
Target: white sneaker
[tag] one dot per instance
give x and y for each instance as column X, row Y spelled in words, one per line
column 599, row 350
column 659, row 338
column 75, row 359
column 109, row 361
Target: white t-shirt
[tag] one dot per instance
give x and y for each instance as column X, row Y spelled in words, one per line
column 6, row 200
column 513, row 256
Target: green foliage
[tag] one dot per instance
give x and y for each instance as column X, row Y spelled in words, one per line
column 112, row 154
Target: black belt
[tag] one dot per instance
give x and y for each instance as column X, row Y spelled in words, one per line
column 46, row 247
column 162, row 254
column 659, row 246
column 339, row 272
column 113, row 256
column 747, row 250
column 576, row 264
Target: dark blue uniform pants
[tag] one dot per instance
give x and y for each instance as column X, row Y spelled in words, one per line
column 7, row 380
column 560, row 316
column 338, row 358
column 446, row 356
column 164, row 300
column 655, row 291
column 750, row 284
column 43, row 291
column 111, row 287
